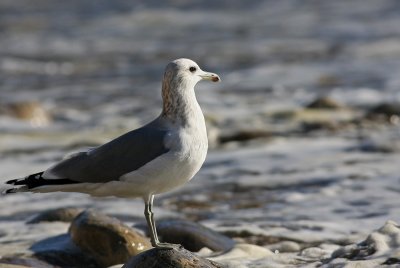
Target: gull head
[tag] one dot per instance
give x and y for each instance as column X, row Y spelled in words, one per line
column 186, row 72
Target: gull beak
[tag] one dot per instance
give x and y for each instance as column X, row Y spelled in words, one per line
column 209, row 76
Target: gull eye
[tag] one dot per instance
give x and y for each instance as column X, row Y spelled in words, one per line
column 192, row 69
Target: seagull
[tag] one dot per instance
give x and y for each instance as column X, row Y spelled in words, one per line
column 153, row 159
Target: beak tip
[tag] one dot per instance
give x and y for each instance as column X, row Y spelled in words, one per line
column 216, row 79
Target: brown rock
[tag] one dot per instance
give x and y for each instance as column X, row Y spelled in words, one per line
column 169, row 258
column 31, row 111
column 106, row 239
column 58, row 214
column 324, row 103
column 244, row 135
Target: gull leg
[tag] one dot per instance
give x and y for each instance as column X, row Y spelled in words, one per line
column 148, row 213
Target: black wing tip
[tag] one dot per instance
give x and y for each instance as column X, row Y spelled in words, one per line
column 27, row 180
column 36, row 180
column 13, row 182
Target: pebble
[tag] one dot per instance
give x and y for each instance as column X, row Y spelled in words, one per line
column 324, row 103
column 106, row 239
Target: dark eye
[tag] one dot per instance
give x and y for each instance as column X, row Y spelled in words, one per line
column 192, row 69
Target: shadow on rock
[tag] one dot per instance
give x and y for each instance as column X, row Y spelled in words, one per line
column 61, row 251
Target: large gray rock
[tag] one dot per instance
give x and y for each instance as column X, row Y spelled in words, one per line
column 192, row 236
column 169, row 258
column 106, row 239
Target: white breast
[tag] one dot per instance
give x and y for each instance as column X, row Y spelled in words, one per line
column 188, row 150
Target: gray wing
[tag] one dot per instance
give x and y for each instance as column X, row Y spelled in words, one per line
column 115, row 158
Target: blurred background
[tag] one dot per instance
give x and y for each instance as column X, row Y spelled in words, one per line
column 304, row 128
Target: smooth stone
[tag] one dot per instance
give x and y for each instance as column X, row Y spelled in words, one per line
column 169, row 258
column 58, row 214
column 324, row 103
column 385, row 109
column 106, row 239
column 192, row 236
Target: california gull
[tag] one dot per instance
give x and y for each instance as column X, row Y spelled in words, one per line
column 150, row 160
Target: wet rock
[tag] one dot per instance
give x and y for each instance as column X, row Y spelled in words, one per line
column 381, row 242
column 31, row 111
column 169, row 258
column 58, row 214
column 387, row 111
column 192, row 236
column 106, row 239
column 244, row 135
column 62, row 252
column 324, row 103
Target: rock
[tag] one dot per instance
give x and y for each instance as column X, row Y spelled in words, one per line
column 324, row 103
column 244, row 135
column 382, row 242
column 31, row 111
column 58, row 214
column 106, row 239
column 387, row 111
column 192, row 236
column 169, row 258
column 60, row 251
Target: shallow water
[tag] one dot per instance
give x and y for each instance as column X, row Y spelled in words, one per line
column 95, row 67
